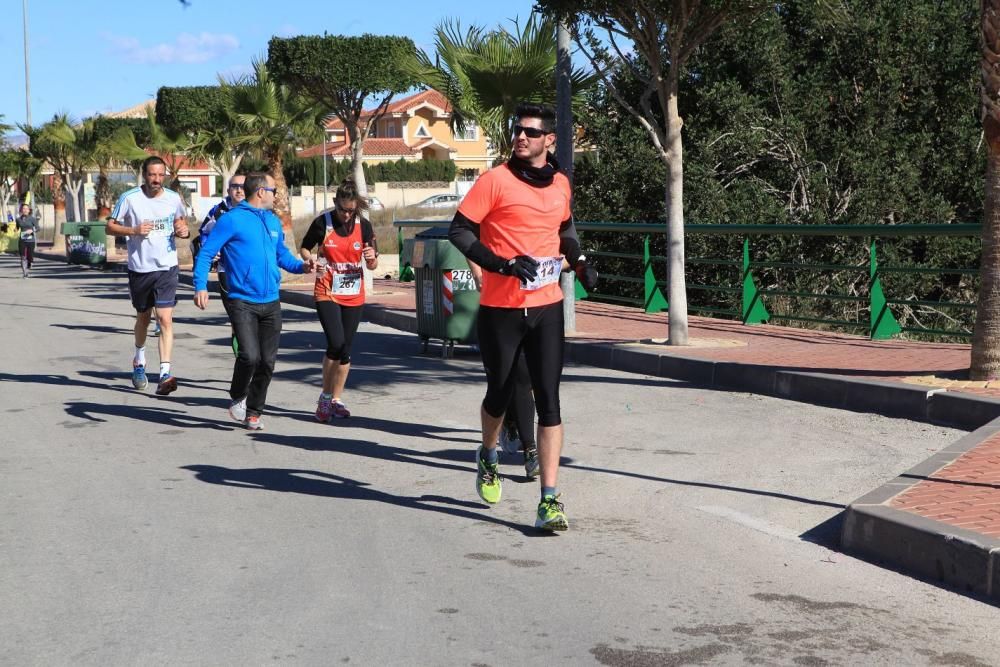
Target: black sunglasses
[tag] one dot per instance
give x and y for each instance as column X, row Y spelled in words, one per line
column 530, row 132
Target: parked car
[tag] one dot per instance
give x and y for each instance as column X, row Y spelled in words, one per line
column 374, row 204
column 440, row 201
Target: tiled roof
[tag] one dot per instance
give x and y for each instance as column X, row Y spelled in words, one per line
column 430, row 96
column 137, row 111
column 373, row 148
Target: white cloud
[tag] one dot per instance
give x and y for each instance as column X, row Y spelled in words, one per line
column 186, row 49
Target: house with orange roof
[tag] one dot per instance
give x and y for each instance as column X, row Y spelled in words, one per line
column 415, row 127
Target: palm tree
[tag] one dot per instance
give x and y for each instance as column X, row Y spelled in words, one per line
column 216, row 146
column 110, row 143
column 272, row 121
column 55, row 142
column 485, row 74
column 986, row 334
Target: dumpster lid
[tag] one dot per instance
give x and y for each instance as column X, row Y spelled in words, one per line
column 433, row 233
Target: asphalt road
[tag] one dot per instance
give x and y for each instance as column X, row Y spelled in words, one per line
column 143, row 530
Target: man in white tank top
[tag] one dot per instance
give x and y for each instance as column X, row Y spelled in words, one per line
column 151, row 217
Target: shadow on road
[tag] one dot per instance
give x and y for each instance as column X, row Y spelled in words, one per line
column 707, row 485
column 151, row 415
column 315, row 483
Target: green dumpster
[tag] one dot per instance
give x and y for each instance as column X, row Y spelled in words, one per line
column 447, row 298
column 85, row 242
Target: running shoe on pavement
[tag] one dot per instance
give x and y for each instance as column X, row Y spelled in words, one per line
column 340, row 410
column 531, row 466
column 253, row 423
column 238, row 410
column 166, row 385
column 487, row 479
column 551, row 515
column 139, row 380
column 324, row 409
column 509, row 441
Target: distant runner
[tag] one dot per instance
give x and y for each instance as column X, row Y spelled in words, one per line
column 27, row 228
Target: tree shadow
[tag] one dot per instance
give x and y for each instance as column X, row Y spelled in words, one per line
column 315, row 483
column 705, row 485
column 167, row 416
column 442, row 458
column 65, row 380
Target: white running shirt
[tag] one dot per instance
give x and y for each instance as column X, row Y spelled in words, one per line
column 158, row 250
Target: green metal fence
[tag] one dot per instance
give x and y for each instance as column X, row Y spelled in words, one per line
column 641, row 288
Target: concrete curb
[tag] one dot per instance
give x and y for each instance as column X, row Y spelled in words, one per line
column 933, row 550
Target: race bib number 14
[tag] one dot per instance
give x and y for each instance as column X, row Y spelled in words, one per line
column 548, row 272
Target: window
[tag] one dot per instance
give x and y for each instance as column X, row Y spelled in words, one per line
column 469, row 133
column 373, row 131
column 422, row 132
column 390, row 130
column 468, row 174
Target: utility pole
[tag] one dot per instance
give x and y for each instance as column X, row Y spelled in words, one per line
column 564, row 154
column 27, row 71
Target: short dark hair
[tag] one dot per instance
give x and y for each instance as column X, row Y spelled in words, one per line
column 348, row 191
column 255, row 180
column 541, row 111
column 151, row 160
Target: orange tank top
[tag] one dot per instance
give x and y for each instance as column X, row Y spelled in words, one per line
column 343, row 279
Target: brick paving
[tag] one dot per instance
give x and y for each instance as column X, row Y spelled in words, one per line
column 935, row 365
column 964, row 494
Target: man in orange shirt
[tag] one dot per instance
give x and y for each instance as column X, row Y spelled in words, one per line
column 516, row 223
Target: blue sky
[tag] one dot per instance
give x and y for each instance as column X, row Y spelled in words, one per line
column 107, row 55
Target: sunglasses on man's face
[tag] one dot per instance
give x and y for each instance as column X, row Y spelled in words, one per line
column 235, row 186
column 530, row 132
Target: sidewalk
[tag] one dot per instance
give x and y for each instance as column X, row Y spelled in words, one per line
column 939, row 520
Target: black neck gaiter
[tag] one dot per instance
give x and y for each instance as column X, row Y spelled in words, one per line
column 538, row 177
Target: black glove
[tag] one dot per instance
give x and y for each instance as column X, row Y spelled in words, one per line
column 522, row 266
column 586, row 274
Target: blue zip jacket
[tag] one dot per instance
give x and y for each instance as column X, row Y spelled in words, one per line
column 253, row 247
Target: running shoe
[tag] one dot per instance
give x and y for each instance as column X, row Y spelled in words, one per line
column 487, row 479
column 253, row 423
column 550, row 514
column 156, row 329
column 509, row 441
column 531, row 466
column 167, row 384
column 324, row 409
column 139, row 380
column 238, row 410
column 340, row 410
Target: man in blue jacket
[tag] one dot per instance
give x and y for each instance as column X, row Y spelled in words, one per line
column 252, row 245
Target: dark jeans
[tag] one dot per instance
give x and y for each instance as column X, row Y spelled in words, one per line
column 258, row 330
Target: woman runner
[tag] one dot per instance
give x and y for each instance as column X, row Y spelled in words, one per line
column 346, row 240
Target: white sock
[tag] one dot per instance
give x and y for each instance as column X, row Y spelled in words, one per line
column 164, row 369
column 140, row 356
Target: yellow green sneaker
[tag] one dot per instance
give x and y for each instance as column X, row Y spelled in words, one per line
column 550, row 514
column 487, row 479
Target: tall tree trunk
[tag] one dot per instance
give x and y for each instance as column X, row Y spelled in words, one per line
column 357, row 152
column 276, row 165
column 58, row 200
column 676, row 284
column 986, row 335
column 103, row 195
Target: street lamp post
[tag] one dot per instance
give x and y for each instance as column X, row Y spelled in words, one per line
column 324, row 166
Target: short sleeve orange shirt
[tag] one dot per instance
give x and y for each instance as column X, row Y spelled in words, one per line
column 517, row 219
